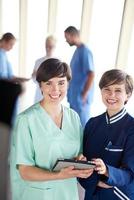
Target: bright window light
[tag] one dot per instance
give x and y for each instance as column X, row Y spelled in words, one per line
column 103, row 41
column 67, row 15
column 10, row 23
column 36, row 30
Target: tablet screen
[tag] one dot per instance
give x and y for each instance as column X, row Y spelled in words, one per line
column 63, row 163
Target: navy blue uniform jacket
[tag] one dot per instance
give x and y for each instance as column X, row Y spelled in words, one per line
column 111, row 139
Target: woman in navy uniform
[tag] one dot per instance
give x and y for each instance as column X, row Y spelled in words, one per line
column 109, row 142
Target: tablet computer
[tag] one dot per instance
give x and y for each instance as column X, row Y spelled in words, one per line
column 78, row 164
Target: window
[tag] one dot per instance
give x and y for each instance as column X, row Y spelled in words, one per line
column 36, row 31
column 130, row 70
column 10, row 23
column 37, row 14
column 103, row 40
column 67, row 15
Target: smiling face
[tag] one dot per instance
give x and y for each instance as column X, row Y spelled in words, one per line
column 54, row 90
column 114, row 97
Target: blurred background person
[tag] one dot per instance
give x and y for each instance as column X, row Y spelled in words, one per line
column 50, row 45
column 80, row 93
column 6, row 44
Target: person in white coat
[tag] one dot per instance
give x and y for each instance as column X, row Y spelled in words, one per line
column 50, row 45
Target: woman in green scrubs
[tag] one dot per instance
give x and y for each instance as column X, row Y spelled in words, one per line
column 43, row 133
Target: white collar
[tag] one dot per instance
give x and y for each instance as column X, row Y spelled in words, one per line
column 116, row 117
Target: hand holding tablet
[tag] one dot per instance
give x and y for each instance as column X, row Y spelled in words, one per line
column 78, row 164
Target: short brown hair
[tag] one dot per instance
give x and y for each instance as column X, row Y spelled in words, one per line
column 72, row 30
column 51, row 68
column 117, row 76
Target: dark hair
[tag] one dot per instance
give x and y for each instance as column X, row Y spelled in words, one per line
column 51, row 68
column 72, row 30
column 117, row 76
column 7, row 36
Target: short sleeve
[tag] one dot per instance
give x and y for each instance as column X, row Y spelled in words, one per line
column 10, row 71
column 2, row 65
column 87, row 60
column 81, row 135
column 23, row 144
column 5, row 66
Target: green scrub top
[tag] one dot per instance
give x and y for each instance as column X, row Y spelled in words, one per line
column 37, row 141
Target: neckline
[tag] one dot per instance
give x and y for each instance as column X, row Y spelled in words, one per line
column 116, row 117
column 43, row 110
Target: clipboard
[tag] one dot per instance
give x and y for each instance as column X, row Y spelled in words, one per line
column 78, row 164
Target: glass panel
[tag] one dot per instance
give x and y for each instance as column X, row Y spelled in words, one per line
column 37, row 15
column 10, row 23
column 130, row 70
column 37, row 28
column 67, row 16
column 130, row 63
column 104, row 36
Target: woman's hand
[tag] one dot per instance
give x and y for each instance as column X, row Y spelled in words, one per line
column 100, row 166
column 32, row 173
column 81, row 157
column 70, row 172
